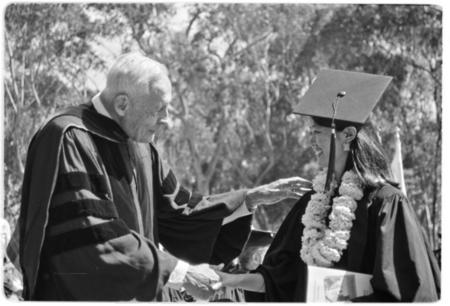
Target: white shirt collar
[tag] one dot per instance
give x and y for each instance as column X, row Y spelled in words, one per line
column 99, row 107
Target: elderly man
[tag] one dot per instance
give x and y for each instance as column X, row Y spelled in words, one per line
column 97, row 201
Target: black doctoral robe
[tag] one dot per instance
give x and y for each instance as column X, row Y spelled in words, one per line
column 95, row 206
column 386, row 242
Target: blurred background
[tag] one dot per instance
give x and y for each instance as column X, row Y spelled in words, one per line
column 237, row 70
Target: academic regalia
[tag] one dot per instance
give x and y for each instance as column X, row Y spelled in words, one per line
column 386, row 241
column 81, row 166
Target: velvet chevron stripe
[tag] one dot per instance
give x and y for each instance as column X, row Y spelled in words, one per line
column 182, row 196
column 81, row 208
column 86, row 236
column 169, row 183
column 195, row 198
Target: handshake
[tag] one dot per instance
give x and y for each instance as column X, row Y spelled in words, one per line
column 201, row 281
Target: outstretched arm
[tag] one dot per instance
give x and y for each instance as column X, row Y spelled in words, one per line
column 202, row 219
column 274, row 192
column 268, row 194
column 248, row 281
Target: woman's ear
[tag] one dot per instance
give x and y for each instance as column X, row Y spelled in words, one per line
column 349, row 134
column 121, row 104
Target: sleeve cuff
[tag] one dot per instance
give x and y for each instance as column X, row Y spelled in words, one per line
column 238, row 213
column 178, row 274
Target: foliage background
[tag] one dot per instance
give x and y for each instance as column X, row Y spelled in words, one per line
column 237, row 69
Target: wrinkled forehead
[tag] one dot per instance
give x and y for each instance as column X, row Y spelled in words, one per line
column 162, row 87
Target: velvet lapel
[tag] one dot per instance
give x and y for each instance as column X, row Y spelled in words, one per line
column 358, row 237
column 85, row 116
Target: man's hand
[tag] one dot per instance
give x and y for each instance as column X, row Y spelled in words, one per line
column 276, row 191
column 198, row 281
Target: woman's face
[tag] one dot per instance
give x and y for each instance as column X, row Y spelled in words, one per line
column 320, row 143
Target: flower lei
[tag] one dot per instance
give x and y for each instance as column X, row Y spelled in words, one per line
column 322, row 245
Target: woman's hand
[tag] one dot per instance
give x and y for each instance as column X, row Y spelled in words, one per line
column 226, row 280
column 247, row 281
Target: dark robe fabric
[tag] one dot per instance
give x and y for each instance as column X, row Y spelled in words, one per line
column 229, row 237
column 386, row 241
column 96, row 207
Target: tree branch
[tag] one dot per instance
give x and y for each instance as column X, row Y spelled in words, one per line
column 437, row 161
column 22, row 82
column 214, row 53
column 184, row 108
column 191, row 22
column 409, row 61
column 11, row 65
column 230, row 47
column 33, row 88
column 19, row 160
column 11, row 99
column 216, row 155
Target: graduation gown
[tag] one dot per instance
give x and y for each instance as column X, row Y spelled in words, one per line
column 95, row 207
column 386, row 241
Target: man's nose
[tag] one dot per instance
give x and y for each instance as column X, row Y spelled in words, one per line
column 164, row 117
column 163, row 113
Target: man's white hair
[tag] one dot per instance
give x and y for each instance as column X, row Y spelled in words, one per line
column 133, row 72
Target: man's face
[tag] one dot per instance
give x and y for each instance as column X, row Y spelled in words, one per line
column 148, row 112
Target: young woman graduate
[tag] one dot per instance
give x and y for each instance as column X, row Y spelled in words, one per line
column 355, row 218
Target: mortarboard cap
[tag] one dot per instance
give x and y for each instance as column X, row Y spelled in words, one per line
column 359, row 93
column 338, row 99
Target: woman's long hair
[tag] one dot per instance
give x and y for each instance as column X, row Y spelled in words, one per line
column 368, row 158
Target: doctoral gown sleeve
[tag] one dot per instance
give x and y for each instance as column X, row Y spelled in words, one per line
column 404, row 267
column 190, row 224
column 283, row 271
column 89, row 252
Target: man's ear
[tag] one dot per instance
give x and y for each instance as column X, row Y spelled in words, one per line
column 121, row 104
column 349, row 134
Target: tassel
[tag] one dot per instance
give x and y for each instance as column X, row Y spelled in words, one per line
column 331, row 160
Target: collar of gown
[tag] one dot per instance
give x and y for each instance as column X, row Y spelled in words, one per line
column 99, row 107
